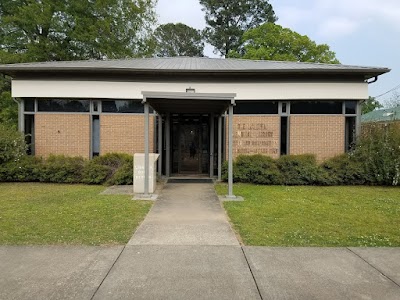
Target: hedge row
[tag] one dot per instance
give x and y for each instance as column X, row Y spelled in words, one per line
column 374, row 160
column 108, row 169
column 296, row 170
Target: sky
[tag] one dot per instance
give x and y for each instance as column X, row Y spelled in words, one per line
column 360, row 32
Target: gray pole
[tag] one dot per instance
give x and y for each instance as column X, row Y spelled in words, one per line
column 358, row 119
column 230, row 153
column 212, row 127
column 160, row 144
column 167, row 145
column 21, row 109
column 146, row 149
column 219, row 148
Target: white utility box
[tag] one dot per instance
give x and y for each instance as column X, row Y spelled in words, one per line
column 138, row 172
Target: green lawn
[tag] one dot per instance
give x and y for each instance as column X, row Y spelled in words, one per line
column 50, row 214
column 315, row 216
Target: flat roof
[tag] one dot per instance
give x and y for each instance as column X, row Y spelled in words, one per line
column 189, row 65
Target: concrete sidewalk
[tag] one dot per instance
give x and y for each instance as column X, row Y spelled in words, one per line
column 186, row 249
column 198, row 272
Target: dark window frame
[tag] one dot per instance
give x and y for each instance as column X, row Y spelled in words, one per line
column 254, row 107
column 316, row 107
column 63, row 105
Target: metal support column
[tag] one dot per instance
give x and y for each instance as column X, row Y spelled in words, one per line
column 160, row 144
column 212, row 140
column 168, row 145
column 146, row 149
column 230, row 153
column 219, row 148
column 21, row 116
column 358, row 120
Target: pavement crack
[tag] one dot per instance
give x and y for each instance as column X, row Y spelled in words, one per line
column 252, row 274
column 108, row 272
column 372, row 266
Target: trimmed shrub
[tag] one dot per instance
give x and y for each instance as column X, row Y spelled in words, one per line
column 123, row 175
column 259, row 169
column 25, row 169
column 62, row 169
column 301, row 170
column 112, row 168
column 344, row 170
column 94, row 173
column 12, row 144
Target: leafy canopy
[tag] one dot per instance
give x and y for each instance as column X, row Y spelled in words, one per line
column 48, row 30
column 273, row 42
column 53, row 30
column 227, row 20
column 178, row 40
column 370, row 105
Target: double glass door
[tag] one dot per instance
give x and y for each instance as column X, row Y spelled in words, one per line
column 190, row 144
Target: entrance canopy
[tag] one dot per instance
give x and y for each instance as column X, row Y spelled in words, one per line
column 189, row 102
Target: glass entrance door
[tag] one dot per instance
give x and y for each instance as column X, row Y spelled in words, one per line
column 190, row 144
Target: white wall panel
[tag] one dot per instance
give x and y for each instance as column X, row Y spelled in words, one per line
column 133, row 90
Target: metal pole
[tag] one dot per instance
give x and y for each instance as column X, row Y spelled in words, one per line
column 168, row 145
column 212, row 140
column 358, row 120
column 21, row 120
column 160, row 144
column 146, row 148
column 230, row 153
column 219, row 148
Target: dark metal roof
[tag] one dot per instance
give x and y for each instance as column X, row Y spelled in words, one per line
column 189, row 65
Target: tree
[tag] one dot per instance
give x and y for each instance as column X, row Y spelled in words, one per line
column 227, row 20
column 370, row 105
column 43, row 30
column 178, row 40
column 8, row 108
column 273, row 42
column 393, row 101
column 49, row 30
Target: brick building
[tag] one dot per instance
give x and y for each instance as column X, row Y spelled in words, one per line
column 190, row 109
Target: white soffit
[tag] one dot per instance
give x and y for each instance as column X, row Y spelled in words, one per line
column 244, row 91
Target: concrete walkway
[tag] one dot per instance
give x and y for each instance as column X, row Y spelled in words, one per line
column 186, row 214
column 185, row 249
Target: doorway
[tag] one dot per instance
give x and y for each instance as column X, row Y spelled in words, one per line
column 190, row 144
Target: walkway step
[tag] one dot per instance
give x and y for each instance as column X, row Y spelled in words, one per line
column 190, row 180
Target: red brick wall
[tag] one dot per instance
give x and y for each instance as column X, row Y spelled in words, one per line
column 67, row 134
column 320, row 135
column 124, row 133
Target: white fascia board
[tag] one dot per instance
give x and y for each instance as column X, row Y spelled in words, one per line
column 244, row 91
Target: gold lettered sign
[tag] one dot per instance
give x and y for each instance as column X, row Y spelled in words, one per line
column 255, row 138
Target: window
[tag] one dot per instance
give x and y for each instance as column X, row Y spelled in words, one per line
column 61, row 105
column 316, row 107
column 122, row 106
column 284, row 108
column 29, row 105
column 29, row 130
column 351, row 107
column 255, row 108
column 284, row 135
column 350, row 132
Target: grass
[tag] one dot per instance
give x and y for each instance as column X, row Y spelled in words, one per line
column 53, row 214
column 316, row 216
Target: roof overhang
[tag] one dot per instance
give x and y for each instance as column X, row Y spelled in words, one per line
column 189, row 102
column 183, row 66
